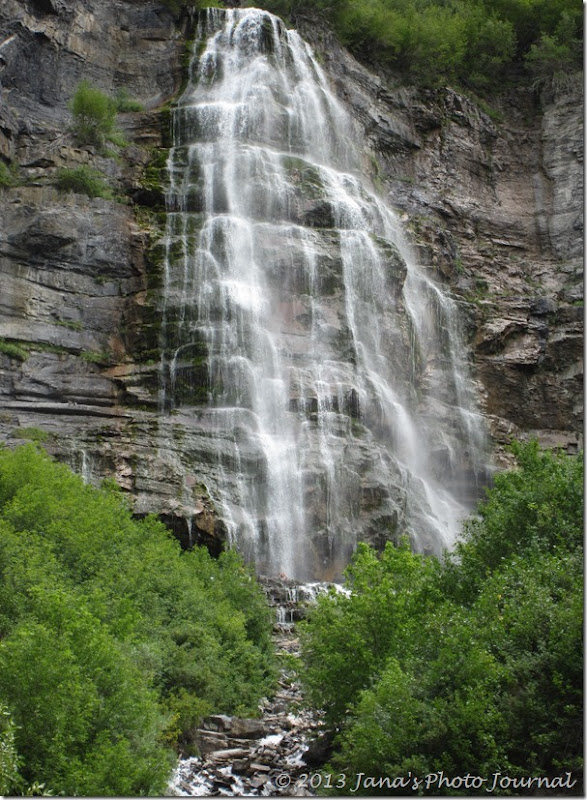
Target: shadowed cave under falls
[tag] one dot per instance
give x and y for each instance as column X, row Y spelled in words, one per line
column 324, row 365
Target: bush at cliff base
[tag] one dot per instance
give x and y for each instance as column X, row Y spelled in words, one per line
column 471, row 665
column 113, row 642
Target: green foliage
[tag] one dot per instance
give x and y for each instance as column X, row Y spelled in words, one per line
column 471, row 42
column 153, row 179
column 552, row 56
column 95, row 356
column 83, row 180
column 114, row 642
column 86, row 709
column 362, row 628
column 124, row 102
column 13, row 350
column 94, row 115
column 533, row 18
column 535, row 508
column 471, row 665
column 5, row 175
column 32, row 434
column 72, row 325
column 8, row 174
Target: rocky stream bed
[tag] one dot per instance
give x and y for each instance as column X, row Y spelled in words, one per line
column 276, row 754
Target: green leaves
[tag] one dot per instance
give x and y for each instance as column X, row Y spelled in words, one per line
column 94, row 115
column 535, row 508
column 470, row 42
column 113, row 642
column 83, row 180
column 347, row 639
column 471, row 665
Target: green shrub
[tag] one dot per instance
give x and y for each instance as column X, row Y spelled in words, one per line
column 83, row 180
column 470, row 665
column 95, row 356
column 32, row 434
column 124, row 102
column 5, row 175
column 8, row 175
column 114, row 642
column 94, row 115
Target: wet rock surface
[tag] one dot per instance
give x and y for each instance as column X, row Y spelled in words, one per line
column 276, row 754
column 492, row 198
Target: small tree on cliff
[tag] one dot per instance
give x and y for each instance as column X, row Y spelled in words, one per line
column 94, row 115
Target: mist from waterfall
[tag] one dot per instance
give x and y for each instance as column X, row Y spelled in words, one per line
column 324, row 366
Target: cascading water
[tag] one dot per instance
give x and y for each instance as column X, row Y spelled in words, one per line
column 321, row 363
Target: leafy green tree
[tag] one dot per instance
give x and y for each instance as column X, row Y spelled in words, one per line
column 469, row 42
column 533, row 18
column 468, row 665
column 490, row 47
column 114, row 642
column 537, row 507
column 389, row 596
column 94, row 116
column 554, row 55
column 76, row 698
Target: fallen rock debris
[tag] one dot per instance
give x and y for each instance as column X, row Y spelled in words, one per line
column 259, row 757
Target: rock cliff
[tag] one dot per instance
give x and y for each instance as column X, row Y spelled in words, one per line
column 493, row 205
column 493, row 200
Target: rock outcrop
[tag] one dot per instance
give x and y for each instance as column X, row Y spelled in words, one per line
column 494, row 207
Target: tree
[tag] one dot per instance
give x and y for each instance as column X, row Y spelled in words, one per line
column 472, row 664
column 94, row 115
column 114, row 642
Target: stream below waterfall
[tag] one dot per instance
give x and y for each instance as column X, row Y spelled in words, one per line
column 268, row 756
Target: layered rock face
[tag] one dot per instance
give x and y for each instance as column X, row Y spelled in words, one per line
column 494, row 210
column 494, row 202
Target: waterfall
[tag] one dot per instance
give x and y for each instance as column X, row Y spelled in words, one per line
column 320, row 363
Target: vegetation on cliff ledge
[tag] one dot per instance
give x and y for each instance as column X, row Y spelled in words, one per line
column 473, row 665
column 474, row 43
column 113, row 642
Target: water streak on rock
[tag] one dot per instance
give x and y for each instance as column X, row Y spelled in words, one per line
column 323, row 362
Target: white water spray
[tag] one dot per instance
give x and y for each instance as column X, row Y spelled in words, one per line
column 324, row 365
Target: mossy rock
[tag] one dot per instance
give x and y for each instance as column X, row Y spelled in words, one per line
column 151, row 189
